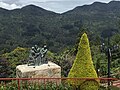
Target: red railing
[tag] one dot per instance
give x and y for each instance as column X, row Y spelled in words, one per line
column 21, row 82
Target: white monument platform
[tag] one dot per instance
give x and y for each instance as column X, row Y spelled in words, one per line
column 49, row 70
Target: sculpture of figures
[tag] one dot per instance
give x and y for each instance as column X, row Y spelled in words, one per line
column 31, row 57
column 43, row 51
column 37, row 55
column 37, row 58
column 34, row 54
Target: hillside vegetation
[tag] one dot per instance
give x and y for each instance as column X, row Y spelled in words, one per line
column 34, row 25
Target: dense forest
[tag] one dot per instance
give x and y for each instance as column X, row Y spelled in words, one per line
column 32, row 25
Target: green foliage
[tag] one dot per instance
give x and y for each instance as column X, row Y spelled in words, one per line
column 4, row 68
column 89, row 85
column 61, row 60
column 16, row 57
column 83, row 66
column 13, row 85
column 110, row 87
column 50, row 55
column 82, row 30
column 99, row 60
column 32, row 25
column 35, row 86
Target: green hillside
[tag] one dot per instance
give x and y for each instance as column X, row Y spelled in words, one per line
column 34, row 25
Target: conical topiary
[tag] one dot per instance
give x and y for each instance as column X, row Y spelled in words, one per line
column 83, row 67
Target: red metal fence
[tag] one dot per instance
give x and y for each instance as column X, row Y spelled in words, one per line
column 22, row 83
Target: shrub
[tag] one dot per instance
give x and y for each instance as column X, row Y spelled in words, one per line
column 16, row 57
column 83, row 67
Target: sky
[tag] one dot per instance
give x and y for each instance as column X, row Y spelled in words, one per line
column 58, row 6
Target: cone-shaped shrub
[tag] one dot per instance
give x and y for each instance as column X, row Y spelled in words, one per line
column 83, row 67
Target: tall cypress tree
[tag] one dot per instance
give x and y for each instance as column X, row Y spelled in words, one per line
column 83, row 66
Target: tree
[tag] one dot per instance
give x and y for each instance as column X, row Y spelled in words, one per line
column 16, row 57
column 83, row 67
column 4, row 68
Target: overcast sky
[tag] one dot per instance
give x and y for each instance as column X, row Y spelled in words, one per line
column 58, row 6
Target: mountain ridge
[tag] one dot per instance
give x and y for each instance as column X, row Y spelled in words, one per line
column 94, row 3
column 35, row 25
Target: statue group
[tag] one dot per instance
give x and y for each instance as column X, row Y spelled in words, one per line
column 36, row 56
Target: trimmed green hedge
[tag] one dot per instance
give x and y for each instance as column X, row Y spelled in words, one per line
column 83, row 67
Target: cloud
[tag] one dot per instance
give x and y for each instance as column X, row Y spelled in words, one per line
column 53, row 5
column 58, row 5
column 8, row 6
column 9, row 1
column 61, row 6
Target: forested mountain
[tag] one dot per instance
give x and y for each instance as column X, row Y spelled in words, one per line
column 32, row 25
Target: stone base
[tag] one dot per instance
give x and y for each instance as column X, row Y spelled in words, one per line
column 50, row 70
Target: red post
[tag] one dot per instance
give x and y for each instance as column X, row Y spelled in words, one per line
column 18, row 84
column 44, row 84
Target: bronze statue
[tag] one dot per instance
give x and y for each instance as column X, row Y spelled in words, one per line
column 36, row 57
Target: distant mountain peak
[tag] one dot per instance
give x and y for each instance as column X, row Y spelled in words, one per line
column 98, row 6
column 114, row 1
column 36, row 10
column 31, row 6
column 98, row 3
column 3, row 9
column 93, row 4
